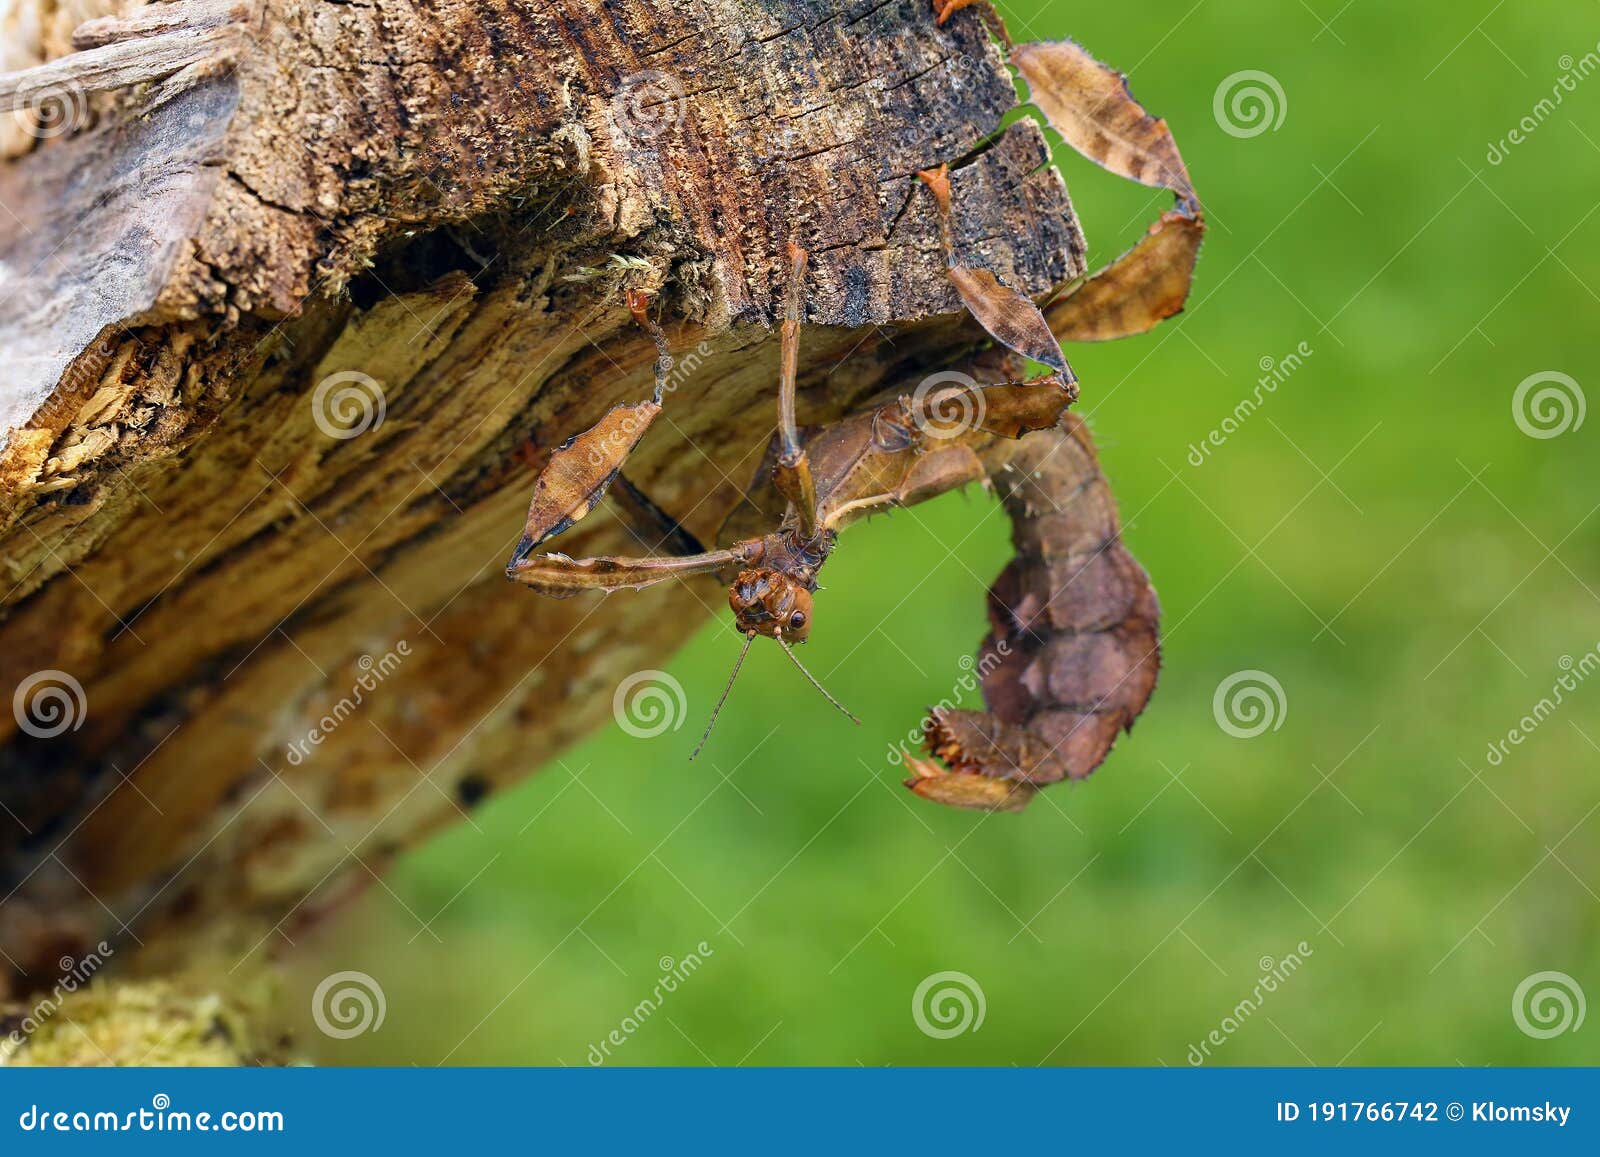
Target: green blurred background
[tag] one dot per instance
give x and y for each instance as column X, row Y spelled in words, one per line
column 1380, row 537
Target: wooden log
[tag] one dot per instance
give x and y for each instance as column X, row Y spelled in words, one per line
column 292, row 327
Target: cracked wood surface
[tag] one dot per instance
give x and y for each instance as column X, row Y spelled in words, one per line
column 450, row 199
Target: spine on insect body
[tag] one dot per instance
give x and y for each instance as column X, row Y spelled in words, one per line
column 1072, row 653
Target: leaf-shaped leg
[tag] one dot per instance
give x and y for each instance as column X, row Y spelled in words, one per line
column 1090, row 105
column 580, row 471
column 1142, row 288
column 1010, row 318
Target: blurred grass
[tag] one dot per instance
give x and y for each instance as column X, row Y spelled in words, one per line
column 1376, row 537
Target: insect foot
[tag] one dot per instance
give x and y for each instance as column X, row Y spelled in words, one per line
column 958, row 789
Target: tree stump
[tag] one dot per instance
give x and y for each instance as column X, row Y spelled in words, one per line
column 300, row 296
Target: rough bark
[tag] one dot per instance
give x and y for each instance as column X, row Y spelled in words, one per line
column 449, row 199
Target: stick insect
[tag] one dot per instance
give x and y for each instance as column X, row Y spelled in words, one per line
column 1072, row 653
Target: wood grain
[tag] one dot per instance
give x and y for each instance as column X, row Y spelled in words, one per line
column 450, row 200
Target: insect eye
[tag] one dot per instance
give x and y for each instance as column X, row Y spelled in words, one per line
column 797, row 620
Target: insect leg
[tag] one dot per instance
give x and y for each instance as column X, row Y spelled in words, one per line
column 1090, row 105
column 793, row 472
column 1140, row 289
column 560, row 577
column 580, row 471
column 915, row 447
column 944, row 9
column 651, row 527
column 578, row 475
column 1006, row 409
column 1009, row 317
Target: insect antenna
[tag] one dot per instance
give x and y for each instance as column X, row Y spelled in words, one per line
column 717, row 710
column 788, row 650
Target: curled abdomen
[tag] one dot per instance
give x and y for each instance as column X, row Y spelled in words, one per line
column 1072, row 652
